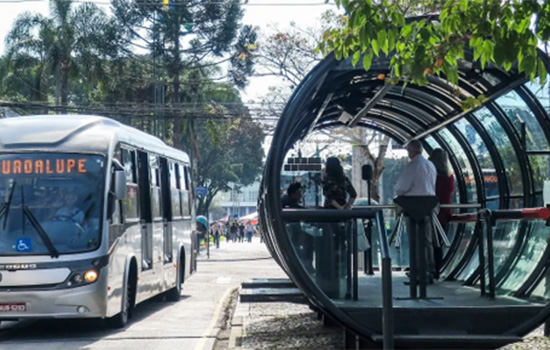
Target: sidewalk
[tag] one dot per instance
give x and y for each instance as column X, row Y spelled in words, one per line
column 253, row 326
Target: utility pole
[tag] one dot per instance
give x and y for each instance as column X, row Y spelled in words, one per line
column 57, row 88
column 158, row 85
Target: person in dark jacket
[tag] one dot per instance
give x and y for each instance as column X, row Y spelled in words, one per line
column 337, row 188
column 234, row 231
column 444, row 187
column 241, row 232
column 293, row 196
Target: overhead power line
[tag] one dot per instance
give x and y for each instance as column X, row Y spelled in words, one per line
column 160, row 4
column 143, row 111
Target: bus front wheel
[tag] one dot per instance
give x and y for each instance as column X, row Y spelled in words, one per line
column 174, row 294
column 121, row 319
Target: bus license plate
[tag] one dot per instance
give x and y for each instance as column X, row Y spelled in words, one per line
column 13, row 307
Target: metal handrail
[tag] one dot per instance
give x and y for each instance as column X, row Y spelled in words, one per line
column 392, row 206
column 466, row 217
column 387, row 293
column 327, row 215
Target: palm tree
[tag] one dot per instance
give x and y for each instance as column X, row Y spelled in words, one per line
column 69, row 42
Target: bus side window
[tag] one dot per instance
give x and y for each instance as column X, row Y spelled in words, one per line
column 156, row 202
column 184, row 193
column 175, row 189
column 130, row 205
column 187, row 193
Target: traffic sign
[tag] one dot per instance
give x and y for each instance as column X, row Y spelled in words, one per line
column 201, row 191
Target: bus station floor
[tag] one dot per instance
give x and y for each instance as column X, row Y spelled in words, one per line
column 440, row 294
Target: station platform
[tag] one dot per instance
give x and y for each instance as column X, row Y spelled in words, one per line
column 280, row 323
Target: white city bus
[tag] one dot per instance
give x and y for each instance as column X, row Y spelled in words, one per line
column 95, row 217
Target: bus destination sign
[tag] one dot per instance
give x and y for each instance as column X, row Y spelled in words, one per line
column 59, row 166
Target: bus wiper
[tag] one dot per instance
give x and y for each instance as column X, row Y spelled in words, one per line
column 39, row 229
column 5, row 207
column 8, row 204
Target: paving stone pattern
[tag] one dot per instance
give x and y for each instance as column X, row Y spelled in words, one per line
column 286, row 326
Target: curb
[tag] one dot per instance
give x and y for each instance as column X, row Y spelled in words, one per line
column 237, row 327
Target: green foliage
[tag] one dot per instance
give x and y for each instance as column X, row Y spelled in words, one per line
column 42, row 50
column 503, row 33
column 225, row 151
column 189, row 33
column 233, row 157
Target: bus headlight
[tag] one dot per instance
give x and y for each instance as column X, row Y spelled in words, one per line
column 77, row 278
column 91, row 276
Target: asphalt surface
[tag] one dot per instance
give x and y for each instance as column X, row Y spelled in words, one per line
column 190, row 324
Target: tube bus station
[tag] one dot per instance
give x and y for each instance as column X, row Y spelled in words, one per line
column 495, row 274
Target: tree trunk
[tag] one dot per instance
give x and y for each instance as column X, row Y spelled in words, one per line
column 64, row 85
column 178, row 124
column 359, row 158
column 361, row 155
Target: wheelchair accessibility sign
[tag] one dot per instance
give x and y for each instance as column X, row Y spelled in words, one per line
column 23, row 245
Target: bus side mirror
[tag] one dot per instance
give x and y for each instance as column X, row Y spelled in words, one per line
column 120, row 184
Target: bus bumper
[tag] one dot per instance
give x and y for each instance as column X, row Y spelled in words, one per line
column 87, row 301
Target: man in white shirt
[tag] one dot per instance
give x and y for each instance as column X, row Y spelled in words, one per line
column 418, row 179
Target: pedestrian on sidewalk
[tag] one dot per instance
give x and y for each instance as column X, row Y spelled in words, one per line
column 249, row 229
column 201, row 230
column 234, row 231
column 215, row 230
column 241, row 232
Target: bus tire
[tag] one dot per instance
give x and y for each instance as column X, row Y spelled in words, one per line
column 174, row 294
column 128, row 300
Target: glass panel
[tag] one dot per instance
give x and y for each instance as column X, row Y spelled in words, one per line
column 482, row 155
column 393, row 167
column 542, row 292
column 176, row 209
column 129, row 162
column 58, row 194
column 519, row 113
column 504, row 146
column 130, row 204
column 470, row 268
column 531, row 254
column 323, row 250
column 490, row 78
column 516, row 203
column 505, row 237
column 542, row 93
column 185, row 203
column 464, row 164
column 156, row 202
column 450, row 231
column 541, row 174
column 462, row 246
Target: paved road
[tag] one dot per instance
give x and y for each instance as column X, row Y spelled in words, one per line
column 189, row 324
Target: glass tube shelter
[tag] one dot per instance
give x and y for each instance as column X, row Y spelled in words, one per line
column 500, row 155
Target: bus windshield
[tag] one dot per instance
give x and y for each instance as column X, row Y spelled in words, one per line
column 50, row 203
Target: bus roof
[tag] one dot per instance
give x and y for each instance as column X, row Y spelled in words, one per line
column 76, row 133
